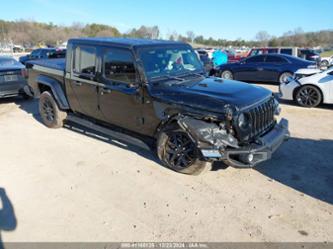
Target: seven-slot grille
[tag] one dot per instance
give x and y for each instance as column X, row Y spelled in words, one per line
column 261, row 117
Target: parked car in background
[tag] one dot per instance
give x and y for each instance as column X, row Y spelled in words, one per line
column 43, row 53
column 326, row 61
column 304, row 53
column 206, row 61
column 264, row 68
column 232, row 56
column 309, row 88
column 159, row 90
column 12, row 78
column 18, row 49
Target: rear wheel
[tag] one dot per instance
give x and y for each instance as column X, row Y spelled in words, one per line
column 324, row 63
column 226, row 74
column 284, row 77
column 178, row 152
column 308, row 96
column 49, row 111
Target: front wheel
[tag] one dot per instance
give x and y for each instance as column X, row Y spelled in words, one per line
column 284, row 77
column 49, row 111
column 177, row 151
column 324, row 63
column 308, row 96
column 226, row 74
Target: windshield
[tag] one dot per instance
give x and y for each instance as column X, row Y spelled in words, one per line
column 169, row 61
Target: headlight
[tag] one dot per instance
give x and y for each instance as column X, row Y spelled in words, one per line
column 243, row 121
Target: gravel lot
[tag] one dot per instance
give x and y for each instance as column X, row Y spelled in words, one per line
column 67, row 186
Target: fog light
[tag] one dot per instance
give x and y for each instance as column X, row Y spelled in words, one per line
column 246, row 158
column 250, row 157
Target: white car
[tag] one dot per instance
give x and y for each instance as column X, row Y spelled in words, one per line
column 326, row 61
column 309, row 87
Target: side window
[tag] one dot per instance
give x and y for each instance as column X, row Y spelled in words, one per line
column 35, row 53
column 118, row 65
column 286, row 51
column 85, row 60
column 255, row 59
column 275, row 59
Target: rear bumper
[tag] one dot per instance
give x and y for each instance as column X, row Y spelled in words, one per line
column 252, row 154
column 12, row 90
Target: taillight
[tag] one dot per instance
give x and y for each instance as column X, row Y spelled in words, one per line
column 24, row 73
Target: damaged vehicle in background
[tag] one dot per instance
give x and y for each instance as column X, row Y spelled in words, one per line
column 309, row 87
column 158, row 90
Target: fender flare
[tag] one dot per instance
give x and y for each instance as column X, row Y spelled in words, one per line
column 56, row 89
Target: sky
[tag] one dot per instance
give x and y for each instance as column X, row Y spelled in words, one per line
column 225, row 19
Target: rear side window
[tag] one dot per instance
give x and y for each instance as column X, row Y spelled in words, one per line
column 275, row 59
column 286, row 51
column 85, row 60
column 255, row 59
column 118, row 65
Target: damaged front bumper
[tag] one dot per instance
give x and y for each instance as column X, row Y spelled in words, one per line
column 224, row 147
column 255, row 153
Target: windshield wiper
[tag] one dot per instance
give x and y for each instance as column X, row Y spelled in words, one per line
column 191, row 74
column 168, row 77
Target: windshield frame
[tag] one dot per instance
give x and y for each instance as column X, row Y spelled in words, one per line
column 140, row 49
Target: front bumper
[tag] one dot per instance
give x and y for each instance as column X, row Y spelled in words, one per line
column 286, row 90
column 258, row 152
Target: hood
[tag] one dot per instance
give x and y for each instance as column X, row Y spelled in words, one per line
column 211, row 94
column 308, row 71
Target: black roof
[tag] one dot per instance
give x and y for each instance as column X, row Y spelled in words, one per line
column 125, row 42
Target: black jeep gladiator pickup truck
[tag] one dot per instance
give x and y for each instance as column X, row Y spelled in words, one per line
column 159, row 89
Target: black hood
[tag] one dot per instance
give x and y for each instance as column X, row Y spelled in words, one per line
column 210, row 94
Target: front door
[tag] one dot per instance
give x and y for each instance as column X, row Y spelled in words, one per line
column 249, row 70
column 120, row 96
column 83, row 86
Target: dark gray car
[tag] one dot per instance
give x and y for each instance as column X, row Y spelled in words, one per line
column 12, row 78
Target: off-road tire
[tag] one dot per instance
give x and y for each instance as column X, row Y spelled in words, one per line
column 196, row 166
column 49, row 111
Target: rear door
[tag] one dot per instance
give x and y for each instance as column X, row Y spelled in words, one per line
column 83, row 90
column 120, row 97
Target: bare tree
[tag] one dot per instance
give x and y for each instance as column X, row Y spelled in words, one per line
column 190, row 36
column 263, row 37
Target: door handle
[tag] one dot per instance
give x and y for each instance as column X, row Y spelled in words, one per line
column 78, row 83
column 105, row 91
column 260, row 69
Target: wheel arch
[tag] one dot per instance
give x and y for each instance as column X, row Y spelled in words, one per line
column 48, row 83
column 309, row 84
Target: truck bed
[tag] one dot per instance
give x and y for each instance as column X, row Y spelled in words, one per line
column 57, row 64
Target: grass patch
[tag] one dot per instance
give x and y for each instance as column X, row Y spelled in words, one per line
column 327, row 53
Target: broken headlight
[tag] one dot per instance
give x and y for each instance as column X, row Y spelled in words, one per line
column 243, row 121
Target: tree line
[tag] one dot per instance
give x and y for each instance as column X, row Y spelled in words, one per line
column 31, row 33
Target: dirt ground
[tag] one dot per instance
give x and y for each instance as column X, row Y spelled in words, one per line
column 62, row 185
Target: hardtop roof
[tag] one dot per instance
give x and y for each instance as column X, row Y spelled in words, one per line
column 124, row 42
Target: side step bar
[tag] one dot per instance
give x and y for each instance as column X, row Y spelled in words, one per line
column 127, row 139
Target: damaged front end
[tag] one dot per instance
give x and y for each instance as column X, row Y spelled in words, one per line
column 242, row 139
